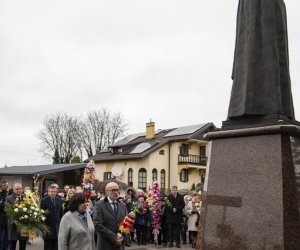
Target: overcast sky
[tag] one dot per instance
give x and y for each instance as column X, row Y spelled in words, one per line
column 170, row 61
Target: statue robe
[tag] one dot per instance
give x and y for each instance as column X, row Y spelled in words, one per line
column 261, row 78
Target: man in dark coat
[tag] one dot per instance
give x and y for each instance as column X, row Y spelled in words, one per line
column 108, row 214
column 3, row 217
column 175, row 216
column 13, row 234
column 53, row 204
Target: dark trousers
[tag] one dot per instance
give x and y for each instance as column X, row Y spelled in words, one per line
column 132, row 236
column 3, row 238
column 193, row 235
column 50, row 244
column 174, row 233
column 149, row 234
column 163, row 236
column 13, row 244
column 141, row 233
column 184, row 228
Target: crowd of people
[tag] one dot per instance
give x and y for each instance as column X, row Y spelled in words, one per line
column 80, row 221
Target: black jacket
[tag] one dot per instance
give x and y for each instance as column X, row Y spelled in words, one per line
column 3, row 217
column 178, row 203
column 55, row 213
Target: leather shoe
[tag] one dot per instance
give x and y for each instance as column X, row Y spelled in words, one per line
column 178, row 246
column 170, row 244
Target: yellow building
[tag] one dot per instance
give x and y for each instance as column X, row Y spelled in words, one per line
column 176, row 156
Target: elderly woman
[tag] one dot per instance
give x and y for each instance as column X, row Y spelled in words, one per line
column 76, row 227
column 192, row 209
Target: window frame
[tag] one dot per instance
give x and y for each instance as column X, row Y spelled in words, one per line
column 184, row 149
column 154, row 174
column 162, row 179
column 142, row 179
column 130, row 177
column 107, row 176
column 184, row 175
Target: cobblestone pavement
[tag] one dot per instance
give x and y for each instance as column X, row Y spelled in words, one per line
column 38, row 244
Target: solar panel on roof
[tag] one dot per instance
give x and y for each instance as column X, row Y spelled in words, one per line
column 186, row 130
column 140, row 148
column 128, row 138
column 132, row 137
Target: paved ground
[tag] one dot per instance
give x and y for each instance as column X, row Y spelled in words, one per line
column 38, row 244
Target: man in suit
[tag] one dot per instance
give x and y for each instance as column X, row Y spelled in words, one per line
column 175, row 216
column 108, row 214
column 53, row 204
column 13, row 234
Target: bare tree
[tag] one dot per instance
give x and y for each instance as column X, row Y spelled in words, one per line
column 100, row 130
column 60, row 137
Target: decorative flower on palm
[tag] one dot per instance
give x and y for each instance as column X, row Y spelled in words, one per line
column 88, row 178
column 154, row 204
column 127, row 224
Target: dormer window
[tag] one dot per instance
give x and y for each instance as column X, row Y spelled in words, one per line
column 117, row 150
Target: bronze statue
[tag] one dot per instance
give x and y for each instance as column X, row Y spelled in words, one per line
column 261, row 78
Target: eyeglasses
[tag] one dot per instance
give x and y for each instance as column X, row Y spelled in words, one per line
column 114, row 190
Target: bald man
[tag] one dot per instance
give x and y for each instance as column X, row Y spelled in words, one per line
column 108, row 214
column 13, row 234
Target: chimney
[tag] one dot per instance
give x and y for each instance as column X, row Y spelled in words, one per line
column 150, row 126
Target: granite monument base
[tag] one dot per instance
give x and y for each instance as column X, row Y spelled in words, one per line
column 252, row 190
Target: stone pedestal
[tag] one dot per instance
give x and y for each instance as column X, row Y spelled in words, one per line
column 252, row 190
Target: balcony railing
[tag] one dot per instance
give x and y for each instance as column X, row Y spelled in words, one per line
column 192, row 159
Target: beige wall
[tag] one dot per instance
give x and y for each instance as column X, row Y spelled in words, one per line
column 100, row 168
column 174, row 177
column 194, row 178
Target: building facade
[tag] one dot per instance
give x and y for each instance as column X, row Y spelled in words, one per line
column 176, row 156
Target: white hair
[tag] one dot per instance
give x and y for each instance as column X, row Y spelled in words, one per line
column 140, row 191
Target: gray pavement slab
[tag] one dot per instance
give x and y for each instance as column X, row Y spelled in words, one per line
column 38, row 244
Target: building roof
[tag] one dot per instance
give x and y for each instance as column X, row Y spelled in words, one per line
column 136, row 146
column 40, row 169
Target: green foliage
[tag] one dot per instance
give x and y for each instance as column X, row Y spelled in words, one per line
column 76, row 159
column 55, row 158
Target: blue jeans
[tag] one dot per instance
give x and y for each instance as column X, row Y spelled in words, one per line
column 3, row 238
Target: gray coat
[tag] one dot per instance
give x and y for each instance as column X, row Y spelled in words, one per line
column 75, row 234
column 107, row 224
column 12, row 230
